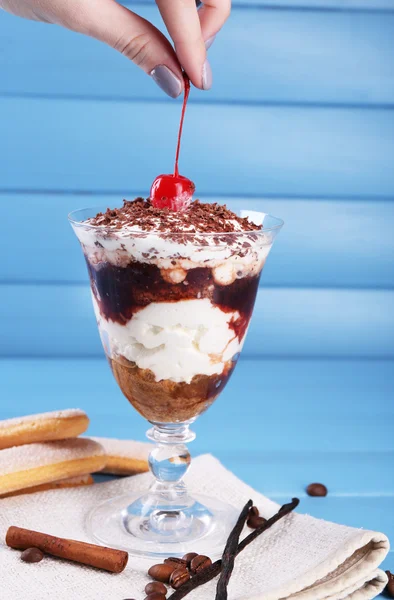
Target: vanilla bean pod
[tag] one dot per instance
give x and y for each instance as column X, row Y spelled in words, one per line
column 230, row 552
column 213, row 570
column 282, row 512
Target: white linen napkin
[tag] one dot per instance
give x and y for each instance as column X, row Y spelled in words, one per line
column 300, row 557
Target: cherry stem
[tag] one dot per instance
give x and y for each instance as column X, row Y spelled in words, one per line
column 185, row 98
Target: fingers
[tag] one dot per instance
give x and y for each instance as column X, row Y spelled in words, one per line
column 183, row 24
column 213, row 14
column 134, row 37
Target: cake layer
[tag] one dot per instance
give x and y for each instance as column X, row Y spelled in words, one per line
column 166, row 401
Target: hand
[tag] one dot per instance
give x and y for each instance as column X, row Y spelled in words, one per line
column 106, row 20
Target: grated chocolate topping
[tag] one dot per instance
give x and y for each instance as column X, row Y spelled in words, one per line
column 199, row 217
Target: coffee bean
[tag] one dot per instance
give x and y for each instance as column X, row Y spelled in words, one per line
column 32, row 555
column 155, row 586
column 189, row 557
column 161, row 572
column 253, row 512
column 177, row 561
column 155, row 596
column 255, row 521
column 390, row 585
column 199, row 563
column 316, row 489
column 179, row 577
column 176, row 566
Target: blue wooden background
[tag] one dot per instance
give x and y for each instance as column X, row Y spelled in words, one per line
column 300, row 123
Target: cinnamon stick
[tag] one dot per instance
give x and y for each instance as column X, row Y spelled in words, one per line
column 230, row 552
column 100, row 557
column 211, row 572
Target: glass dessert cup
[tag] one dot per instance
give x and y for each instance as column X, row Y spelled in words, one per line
column 172, row 310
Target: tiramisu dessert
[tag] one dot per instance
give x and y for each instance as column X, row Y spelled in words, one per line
column 173, row 284
column 173, row 292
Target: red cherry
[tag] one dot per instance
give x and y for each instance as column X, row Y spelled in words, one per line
column 172, row 191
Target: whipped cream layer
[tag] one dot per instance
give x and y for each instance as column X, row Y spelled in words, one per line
column 175, row 340
column 230, row 255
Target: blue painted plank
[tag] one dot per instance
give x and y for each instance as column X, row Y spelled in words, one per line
column 319, row 388
column 58, row 320
column 75, row 145
column 312, row 408
column 286, row 56
column 346, row 474
column 324, row 243
column 388, row 564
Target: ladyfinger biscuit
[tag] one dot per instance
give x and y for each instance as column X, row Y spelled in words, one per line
column 44, row 427
column 125, row 457
column 79, row 481
column 36, row 464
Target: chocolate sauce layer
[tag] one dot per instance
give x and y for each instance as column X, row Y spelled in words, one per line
column 120, row 292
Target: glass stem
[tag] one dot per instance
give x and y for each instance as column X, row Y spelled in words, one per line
column 167, row 502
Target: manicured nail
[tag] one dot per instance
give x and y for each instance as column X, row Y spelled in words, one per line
column 209, row 42
column 206, row 76
column 167, row 80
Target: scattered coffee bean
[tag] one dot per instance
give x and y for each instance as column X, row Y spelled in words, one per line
column 176, row 565
column 161, row 572
column 32, row 555
column 255, row 521
column 155, row 586
column 179, row 577
column 189, row 557
column 177, row 561
column 155, row 596
column 254, row 512
column 316, row 489
column 199, row 563
column 390, row 585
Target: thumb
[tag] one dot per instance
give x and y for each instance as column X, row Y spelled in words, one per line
column 137, row 39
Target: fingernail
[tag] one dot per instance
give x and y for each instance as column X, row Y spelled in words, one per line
column 206, row 76
column 167, row 80
column 209, row 42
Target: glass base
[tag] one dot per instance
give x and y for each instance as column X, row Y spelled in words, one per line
column 128, row 522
